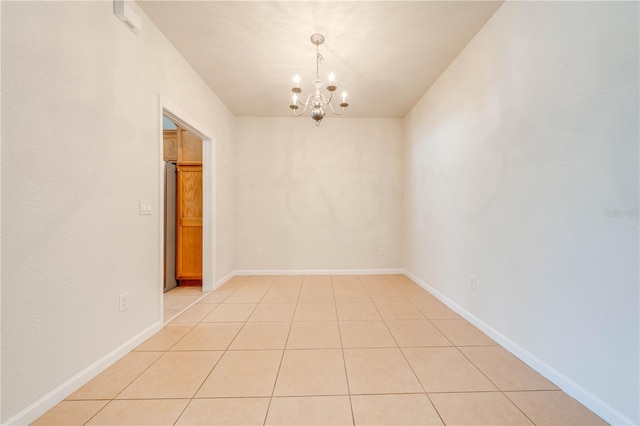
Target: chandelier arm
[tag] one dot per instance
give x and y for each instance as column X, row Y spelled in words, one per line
column 334, row 111
column 324, row 98
column 306, row 104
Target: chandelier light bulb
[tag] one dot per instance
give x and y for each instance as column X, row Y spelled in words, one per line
column 332, row 78
column 294, row 99
column 296, row 80
column 344, row 96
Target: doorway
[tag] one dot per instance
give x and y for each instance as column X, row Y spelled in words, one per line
column 182, row 155
column 208, row 201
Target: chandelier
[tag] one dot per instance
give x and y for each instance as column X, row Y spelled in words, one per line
column 316, row 102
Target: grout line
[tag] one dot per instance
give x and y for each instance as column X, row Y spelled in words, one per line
column 193, row 324
column 183, row 410
column 284, row 349
column 344, row 360
column 411, row 367
column 224, row 351
column 493, row 383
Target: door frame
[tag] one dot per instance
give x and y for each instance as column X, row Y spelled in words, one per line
column 208, row 196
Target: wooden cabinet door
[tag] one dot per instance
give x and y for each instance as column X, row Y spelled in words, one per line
column 189, row 222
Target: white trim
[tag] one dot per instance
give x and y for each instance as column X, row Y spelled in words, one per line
column 36, row 409
column 208, row 214
column 162, row 170
column 224, row 279
column 573, row 389
column 318, row 271
column 1, row 226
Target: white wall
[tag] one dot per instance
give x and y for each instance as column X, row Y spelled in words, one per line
column 80, row 145
column 318, row 198
column 514, row 160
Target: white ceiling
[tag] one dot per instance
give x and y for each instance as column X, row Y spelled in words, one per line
column 385, row 54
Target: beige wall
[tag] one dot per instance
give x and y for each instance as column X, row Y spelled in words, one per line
column 318, row 198
column 514, row 161
column 80, row 123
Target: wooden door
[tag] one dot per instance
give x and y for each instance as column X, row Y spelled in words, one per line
column 189, row 222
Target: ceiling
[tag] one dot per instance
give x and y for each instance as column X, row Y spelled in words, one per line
column 385, row 54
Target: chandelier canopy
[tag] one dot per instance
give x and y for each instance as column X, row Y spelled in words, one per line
column 316, row 102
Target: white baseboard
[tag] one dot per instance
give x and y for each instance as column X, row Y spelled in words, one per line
column 318, row 271
column 224, row 279
column 580, row 394
column 32, row 412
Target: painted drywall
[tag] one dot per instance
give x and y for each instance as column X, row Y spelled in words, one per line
column 521, row 167
column 318, row 198
column 80, row 145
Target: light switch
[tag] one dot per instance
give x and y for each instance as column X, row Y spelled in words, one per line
column 145, row 206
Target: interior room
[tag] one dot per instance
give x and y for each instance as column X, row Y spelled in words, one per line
column 458, row 228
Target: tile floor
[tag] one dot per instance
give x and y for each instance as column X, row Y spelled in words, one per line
column 178, row 298
column 365, row 350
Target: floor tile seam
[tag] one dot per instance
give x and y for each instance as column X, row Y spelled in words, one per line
column 395, row 340
column 314, row 349
column 420, row 310
column 98, row 412
column 227, row 296
column 183, row 310
column 200, row 350
column 149, row 398
column 416, row 375
column 475, row 366
column 447, row 337
column 388, row 329
column 477, row 346
column 164, row 353
column 171, row 349
column 437, row 329
column 478, row 368
column 310, row 395
column 436, row 409
column 344, row 361
column 386, row 393
column 214, row 365
column 204, row 398
column 183, row 411
column 486, row 375
column 404, row 356
column 370, row 347
column 465, row 392
column 275, row 382
column 400, row 319
column 230, row 322
column 305, row 395
column 517, row 407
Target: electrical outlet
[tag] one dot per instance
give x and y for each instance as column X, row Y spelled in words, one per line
column 380, row 251
column 472, row 282
column 124, row 302
column 258, row 252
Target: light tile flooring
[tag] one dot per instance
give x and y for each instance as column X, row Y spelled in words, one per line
column 318, row 350
column 178, row 298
